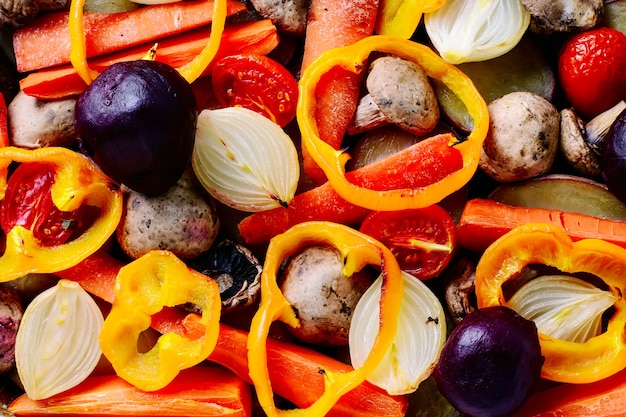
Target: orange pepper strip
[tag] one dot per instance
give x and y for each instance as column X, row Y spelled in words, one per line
column 194, row 69
column 538, row 243
column 357, row 250
column 332, row 161
column 77, row 182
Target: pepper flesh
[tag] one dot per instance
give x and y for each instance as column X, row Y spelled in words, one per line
column 401, row 17
column 77, row 182
column 332, row 161
column 143, row 287
column 357, row 250
column 537, row 243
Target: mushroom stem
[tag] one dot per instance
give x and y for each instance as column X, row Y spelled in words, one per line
column 367, row 116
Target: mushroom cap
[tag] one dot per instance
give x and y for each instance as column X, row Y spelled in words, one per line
column 574, row 146
column 523, row 138
column 403, row 93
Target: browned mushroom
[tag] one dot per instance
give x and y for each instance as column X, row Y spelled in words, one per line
column 548, row 16
column 400, row 93
column 16, row 13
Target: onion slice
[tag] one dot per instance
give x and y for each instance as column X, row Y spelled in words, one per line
column 476, row 30
column 245, row 160
column 57, row 344
column 418, row 342
column 563, row 307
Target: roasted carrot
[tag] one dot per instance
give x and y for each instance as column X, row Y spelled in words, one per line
column 421, row 164
column 4, row 123
column 483, row 221
column 209, row 391
column 293, row 367
column 108, row 32
column 331, row 24
column 251, row 37
column 604, row 398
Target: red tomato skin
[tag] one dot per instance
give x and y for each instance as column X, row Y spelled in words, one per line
column 258, row 83
column 28, row 203
column 592, row 70
column 423, row 240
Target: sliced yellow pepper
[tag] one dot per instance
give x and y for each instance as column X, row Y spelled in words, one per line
column 332, row 161
column 400, row 18
column 77, row 182
column 143, row 287
column 357, row 250
column 537, row 243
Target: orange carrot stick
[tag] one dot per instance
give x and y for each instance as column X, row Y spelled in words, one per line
column 251, row 37
column 483, row 221
column 332, row 24
column 110, row 32
column 425, row 162
column 207, row 391
column 606, row 398
column 291, row 367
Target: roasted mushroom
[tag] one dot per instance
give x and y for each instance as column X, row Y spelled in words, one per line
column 183, row 220
column 36, row 123
column 289, row 16
column 236, row 270
column 322, row 296
column 19, row 12
column 399, row 93
column 523, row 139
column 549, row 16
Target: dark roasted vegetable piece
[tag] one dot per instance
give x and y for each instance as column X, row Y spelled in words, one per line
column 137, row 120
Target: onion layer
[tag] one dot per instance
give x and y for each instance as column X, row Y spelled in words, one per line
column 563, row 307
column 476, row 30
column 245, row 160
column 57, row 342
column 418, row 342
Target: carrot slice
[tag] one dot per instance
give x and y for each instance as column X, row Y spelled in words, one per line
column 60, row 82
column 109, row 32
column 606, row 398
column 330, row 25
column 206, row 391
column 291, row 366
column 4, row 123
column 405, row 169
column 483, row 221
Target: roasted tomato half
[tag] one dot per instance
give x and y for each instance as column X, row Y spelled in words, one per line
column 423, row 240
column 28, row 203
column 258, row 83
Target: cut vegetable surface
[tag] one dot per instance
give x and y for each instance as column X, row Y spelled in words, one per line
column 105, row 33
column 63, row 81
column 202, row 391
column 483, row 221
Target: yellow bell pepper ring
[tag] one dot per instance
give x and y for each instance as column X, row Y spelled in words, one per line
column 358, row 250
column 77, row 182
column 144, row 287
column 332, row 161
column 537, row 243
column 401, row 17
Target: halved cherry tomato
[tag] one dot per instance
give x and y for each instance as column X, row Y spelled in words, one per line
column 422, row 240
column 28, row 203
column 258, row 83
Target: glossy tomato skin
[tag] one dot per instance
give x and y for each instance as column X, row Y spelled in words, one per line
column 258, row 83
column 422, row 240
column 592, row 70
column 28, row 203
